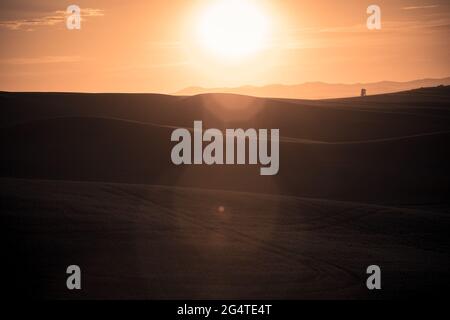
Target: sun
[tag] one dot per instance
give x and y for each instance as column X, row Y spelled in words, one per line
column 233, row 29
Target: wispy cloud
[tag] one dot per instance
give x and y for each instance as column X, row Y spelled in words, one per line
column 138, row 67
column 170, row 64
column 389, row 26
column 165, row 44
column 421, row 7
column 52, row 19
column 342, row 36
column 40, row 60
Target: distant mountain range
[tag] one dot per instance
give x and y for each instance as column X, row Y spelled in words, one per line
column 319, row 90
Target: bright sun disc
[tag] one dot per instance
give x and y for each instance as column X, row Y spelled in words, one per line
column 233, row 29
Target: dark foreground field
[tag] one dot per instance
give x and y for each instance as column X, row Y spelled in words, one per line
column 165, row 242
column 87, row 180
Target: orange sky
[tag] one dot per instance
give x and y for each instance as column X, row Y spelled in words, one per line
column 152, row 46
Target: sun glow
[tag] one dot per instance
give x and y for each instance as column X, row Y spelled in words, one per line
column 233, row 29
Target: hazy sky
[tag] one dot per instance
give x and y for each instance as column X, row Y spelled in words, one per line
column 156, row 46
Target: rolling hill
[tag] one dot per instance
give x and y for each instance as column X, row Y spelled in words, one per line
column 87, row 179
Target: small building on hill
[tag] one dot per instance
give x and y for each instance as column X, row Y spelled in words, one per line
column 363, row 92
